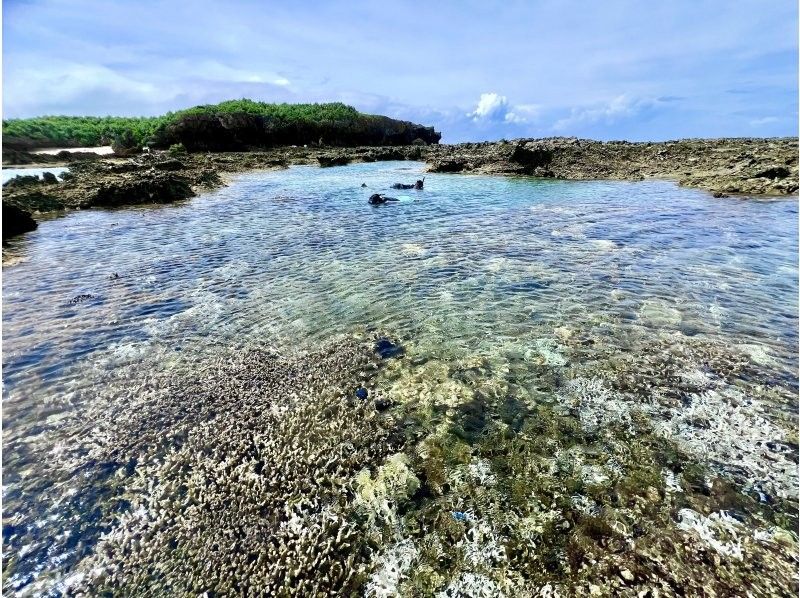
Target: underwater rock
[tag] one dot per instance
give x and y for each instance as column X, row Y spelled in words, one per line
column 383, row 404
column 81, row 298
column 387, row 349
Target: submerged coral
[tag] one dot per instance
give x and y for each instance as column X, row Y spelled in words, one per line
column 252, row 488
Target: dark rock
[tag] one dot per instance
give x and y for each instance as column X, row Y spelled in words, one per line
column 719, row 194
column 49, row 178
column 531, row 156
column 448, row 166
column 383, row 404
column 209, row 178
column 148, row 188
column 387, row 349
column 81, row 298
column 22, row 180
column 386, row 155
column 776, row 172
column 16, row 221
column 327, row 161
column 363, row 184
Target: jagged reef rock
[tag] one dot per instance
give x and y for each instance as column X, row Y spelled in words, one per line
column 747, row 165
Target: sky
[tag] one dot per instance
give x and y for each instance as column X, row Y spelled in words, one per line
column 476, row 70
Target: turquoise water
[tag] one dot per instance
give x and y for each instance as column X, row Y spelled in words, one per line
column 530, row 279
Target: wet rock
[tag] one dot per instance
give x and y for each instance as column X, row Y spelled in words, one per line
column 81, row 298
column 49, row 178
column 16, row 221
column 448, row 166
column 150, row 188
column 386, row 349
column 337, row 160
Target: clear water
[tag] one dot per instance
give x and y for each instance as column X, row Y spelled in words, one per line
column 501, row 268
column 10, row 173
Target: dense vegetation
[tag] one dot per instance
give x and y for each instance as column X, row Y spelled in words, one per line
column 77, row 131
column 235, row 124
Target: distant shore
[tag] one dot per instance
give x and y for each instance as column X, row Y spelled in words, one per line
column 746, row 166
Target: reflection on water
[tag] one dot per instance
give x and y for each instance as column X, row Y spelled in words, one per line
column 517, row 287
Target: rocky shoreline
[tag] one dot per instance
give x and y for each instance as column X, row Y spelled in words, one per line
column 720, row 166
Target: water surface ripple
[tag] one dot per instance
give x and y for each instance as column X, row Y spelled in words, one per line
column 471, row 265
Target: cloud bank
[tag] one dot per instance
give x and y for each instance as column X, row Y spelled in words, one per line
column 618, row 69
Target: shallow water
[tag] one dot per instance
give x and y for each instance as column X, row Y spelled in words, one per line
column 523, row 274
column 10, row 173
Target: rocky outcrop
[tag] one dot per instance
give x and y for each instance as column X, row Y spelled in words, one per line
column 721, row 166
column 335, row 160
column 238, row 131
column 747, row 166
column 16, row 221
column 14, row 157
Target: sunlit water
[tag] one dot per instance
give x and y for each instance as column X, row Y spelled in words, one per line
column 472, row 265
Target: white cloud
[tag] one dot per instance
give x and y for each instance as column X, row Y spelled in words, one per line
column 492, row 107
column 523, row 113
column 619, row 108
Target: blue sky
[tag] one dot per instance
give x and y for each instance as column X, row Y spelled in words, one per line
column 615, row 69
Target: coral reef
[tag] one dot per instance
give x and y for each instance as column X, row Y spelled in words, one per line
column 244, row 477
